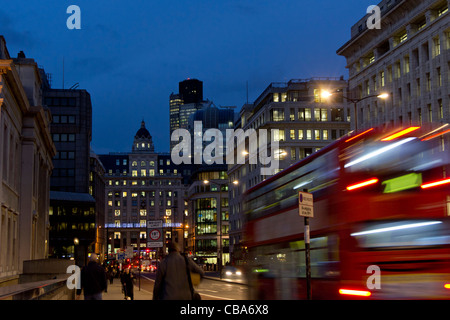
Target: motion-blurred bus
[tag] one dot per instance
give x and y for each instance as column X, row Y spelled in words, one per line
column 381, row 227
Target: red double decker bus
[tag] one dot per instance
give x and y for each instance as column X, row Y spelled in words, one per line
column 381, row 225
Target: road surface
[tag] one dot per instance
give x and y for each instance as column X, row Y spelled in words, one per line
column 208, row 289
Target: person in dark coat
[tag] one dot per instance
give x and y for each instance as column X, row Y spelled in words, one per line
column 93, row 280
column 128, row 279
column 171, row 278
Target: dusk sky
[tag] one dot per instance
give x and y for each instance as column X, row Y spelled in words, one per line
column 130, row 55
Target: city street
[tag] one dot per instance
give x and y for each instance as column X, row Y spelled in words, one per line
column 289, row 151
column 209, row 288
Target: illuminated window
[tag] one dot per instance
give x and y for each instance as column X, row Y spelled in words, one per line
column 320, row 114
column 317, row 95
column 143, row 212
column 304, row 114
column 278, row 135
column 308, row 134
column 292, row 114
column 317, row 134
column 442, row 10
column 439, row 77
column 151, row 172
column 406, row 63
column 143, row 163
column 277, row 114
column 134, row 173
column 124, row 194
column 143, row 173
column 117, row 213
column 403, row 37
column 292, row 134
column 300, row 134
column 168, row 212
column 134, row 164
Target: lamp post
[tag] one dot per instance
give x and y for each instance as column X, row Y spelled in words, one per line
column 327, row 94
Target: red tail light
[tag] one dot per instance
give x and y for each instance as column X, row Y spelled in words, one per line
column 362, row 184
column 435, row 183
column 351, row 292
column 436, row 135
column 400, row 133
column 359, row 135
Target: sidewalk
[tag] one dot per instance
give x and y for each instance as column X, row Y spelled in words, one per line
column 115, row 292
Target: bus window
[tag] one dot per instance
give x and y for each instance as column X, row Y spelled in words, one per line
column 403, row 234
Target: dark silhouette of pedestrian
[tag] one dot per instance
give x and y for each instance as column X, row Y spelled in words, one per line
column 93, row 280
column 172, row 279
column 127, row 280
column 111, row 275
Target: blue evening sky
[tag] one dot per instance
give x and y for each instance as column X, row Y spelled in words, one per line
column 130, row 55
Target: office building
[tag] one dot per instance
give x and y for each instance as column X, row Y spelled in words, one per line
column 76, row 195
column 408, row 58
column 184, row 104
column 208, row 205
column 142, row 186
column 191, row 91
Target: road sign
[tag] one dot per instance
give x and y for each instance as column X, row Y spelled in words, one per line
column 154, row 224
column 121, row 256
column 305, row 204
column 155, row 234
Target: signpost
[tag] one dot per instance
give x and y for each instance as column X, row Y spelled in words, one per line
column 306, row 210
column 155, row 234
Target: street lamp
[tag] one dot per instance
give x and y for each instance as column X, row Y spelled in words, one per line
column 384, row 96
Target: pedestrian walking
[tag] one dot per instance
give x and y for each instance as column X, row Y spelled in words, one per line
column 93, row 280
column 173, row 276
column 111, row 275
column 128, row 280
